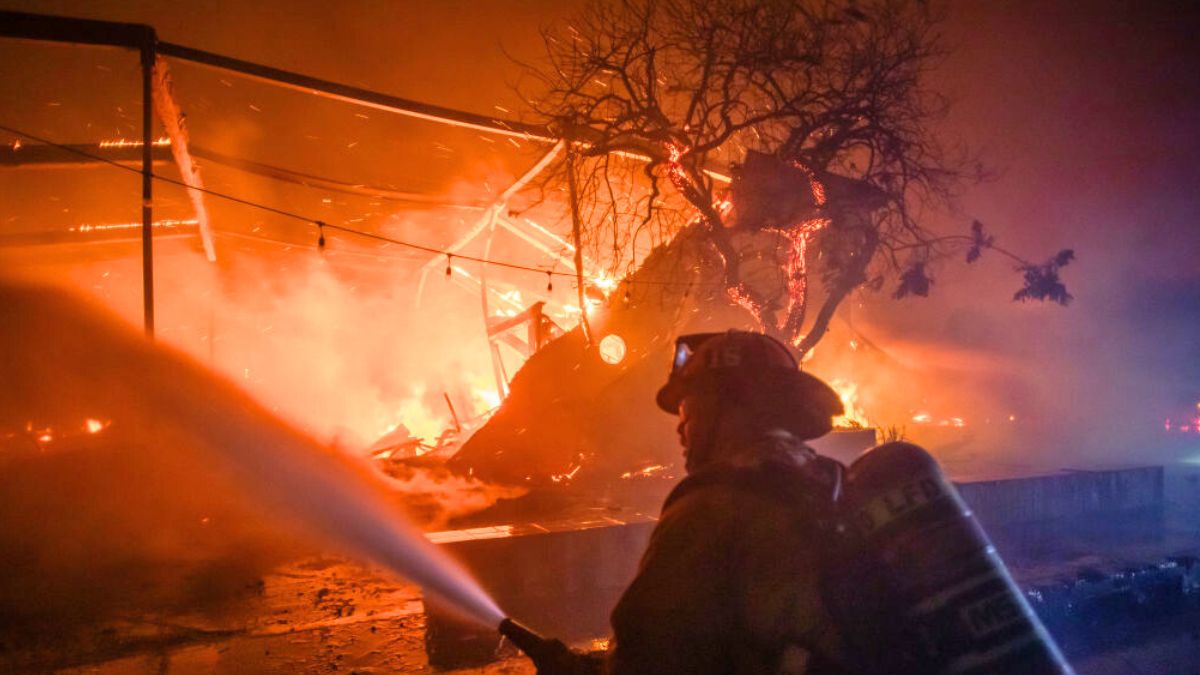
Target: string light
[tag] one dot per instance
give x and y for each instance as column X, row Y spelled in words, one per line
column 549, row 281
column 321, row 225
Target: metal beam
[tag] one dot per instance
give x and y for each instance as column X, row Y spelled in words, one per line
column 358, row 95
column 22, row 25
column 39, row 155
column 148, row 58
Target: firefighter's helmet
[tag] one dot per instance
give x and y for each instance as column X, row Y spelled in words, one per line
column 750, row 359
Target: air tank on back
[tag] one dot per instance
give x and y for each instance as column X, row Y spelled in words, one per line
column 917, row 587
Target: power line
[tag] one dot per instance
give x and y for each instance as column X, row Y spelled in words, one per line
column 285, row 213
column 321, row 224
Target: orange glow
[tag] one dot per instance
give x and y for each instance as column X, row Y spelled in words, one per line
column 605, row 282
column 94, row 426
column 612, row 349
column 854, row 417
column 923, row 417
column 486, row 399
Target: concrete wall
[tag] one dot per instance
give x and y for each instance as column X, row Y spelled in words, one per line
column 563, row 578
column 1064, row 494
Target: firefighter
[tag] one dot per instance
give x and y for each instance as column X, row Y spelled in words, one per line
column 729, row 580
column 760, row 563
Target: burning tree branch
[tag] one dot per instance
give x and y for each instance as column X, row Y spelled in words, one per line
column 820, row 108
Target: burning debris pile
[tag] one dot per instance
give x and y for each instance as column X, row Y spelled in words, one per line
column 571, row 412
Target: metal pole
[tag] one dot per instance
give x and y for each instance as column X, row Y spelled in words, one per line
column 148, row 56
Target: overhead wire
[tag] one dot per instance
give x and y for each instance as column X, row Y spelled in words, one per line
column 320, row 224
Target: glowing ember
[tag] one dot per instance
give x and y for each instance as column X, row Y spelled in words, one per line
column 675, row 170
column 94, row 426
column 723, row 205
column 797, row 262
column 559, row 478
column 923, row 417
column 739, row 297
column 645, row 472
column 132, row 226
column 818, row 189
column 162, row 142
column 1184, row 423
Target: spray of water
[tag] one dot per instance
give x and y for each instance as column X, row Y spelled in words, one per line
column 49, row 337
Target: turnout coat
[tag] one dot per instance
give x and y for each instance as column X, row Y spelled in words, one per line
column 730, row 580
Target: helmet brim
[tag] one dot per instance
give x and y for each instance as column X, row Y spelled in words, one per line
column 671, row 395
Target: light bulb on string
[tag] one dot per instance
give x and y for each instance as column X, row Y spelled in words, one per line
column 321, row 236
column 449, row 270
column 549, row 282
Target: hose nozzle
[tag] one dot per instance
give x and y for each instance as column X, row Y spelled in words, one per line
column 549, row 655
column 524, row 638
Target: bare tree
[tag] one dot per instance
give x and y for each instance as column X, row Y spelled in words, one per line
column 818, row 111
column 773, row 154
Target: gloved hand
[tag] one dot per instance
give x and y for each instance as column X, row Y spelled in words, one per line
column 555, row 658
column 551, row 657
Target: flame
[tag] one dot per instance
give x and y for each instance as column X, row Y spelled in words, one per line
column 605, row 282
column 486, row 399
column 854, row 416
column 94, row 426
column 418, row 418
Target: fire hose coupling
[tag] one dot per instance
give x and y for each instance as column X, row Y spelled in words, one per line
column 551, row 656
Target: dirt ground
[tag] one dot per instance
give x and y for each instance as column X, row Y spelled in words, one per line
column 320, row 615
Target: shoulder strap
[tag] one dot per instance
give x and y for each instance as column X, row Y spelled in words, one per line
column 816, row 483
